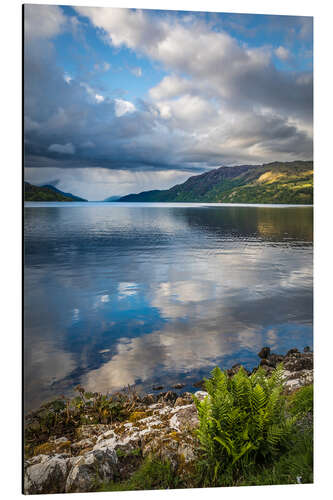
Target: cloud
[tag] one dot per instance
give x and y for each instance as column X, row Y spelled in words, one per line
column 88, row 144
column 282, row 53
column 227, row 315
column 99, row 98
column 306, row 30
column 95, row 183
column 122, row 107
column 124, row 26
column 52, row 182
column 216, row 58
column 219, row 101
column 67, row 149
column 105, row 66
column 43, row 21
column 214, row 64
column 30, row 125
column 137, row 71
column 92, row 93
column 171, row 86
column 68, row 78
column 209, row 295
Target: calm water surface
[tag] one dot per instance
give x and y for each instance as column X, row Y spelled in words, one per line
column 146, row 294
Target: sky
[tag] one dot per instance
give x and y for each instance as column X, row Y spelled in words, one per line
column 119, row 101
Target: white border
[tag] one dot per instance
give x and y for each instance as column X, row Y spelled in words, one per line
column 11, row 242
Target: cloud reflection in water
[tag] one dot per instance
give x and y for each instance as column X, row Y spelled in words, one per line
column 122, row 295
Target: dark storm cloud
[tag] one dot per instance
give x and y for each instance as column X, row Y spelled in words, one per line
column 72, row 129
column 53, row 182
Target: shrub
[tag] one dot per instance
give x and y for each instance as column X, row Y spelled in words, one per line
column 242, row 421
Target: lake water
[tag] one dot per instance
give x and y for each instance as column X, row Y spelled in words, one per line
column 156, row 294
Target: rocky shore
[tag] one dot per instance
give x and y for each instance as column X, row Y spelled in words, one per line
column 161, row 425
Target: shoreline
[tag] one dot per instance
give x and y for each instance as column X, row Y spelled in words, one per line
column 68, row 440
column 178, row 204
column 155, row 387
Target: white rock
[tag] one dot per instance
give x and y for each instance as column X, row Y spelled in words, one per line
column 106, row 435
column 46, row 475
column 152, row 421
column 105, row 443
column 180, row 408
column 92, row 468
column 201, row 395
column 61, row 440
column 184, row 418
column 164, row 410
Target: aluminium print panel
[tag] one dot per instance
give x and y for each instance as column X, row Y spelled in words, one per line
column 168, row 248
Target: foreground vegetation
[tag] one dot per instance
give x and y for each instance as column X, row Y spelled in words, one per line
column 295, row 466
column 245, row 429
column 62, row 417
column 278, row 182
column 250, row 433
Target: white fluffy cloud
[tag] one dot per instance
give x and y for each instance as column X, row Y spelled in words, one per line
column 122, row 107
column 229, row 98
column 171, row 86
column 124, row 26
column 43, row 21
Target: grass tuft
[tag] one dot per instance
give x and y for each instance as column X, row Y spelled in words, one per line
column 153, row 474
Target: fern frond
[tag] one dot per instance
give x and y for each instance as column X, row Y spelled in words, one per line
column 243, row 418
column 244, row 450
column 258, row 398
column 226, row 443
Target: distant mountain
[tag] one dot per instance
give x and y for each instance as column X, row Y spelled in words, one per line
column 275, row 182
column 67, row 195
column 47, row 193
column 112, row 198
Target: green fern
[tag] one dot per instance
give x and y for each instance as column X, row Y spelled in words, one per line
column 242, row 420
